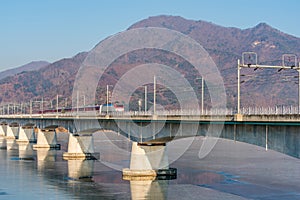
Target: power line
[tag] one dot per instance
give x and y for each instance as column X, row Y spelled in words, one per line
column 250, row 60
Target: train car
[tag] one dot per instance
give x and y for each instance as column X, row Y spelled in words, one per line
column 99, row 108
column 107, row 108
column 119, row 107
column 104, row 108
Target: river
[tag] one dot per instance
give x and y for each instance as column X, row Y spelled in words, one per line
column 232, row 170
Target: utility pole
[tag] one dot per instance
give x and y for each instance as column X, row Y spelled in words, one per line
column 154, row 95
column 238, row 89
column 140, row 104
column 83, row 102
column 57, row 104
column 145, row 98
column 77, row 102
column 66, row 102
column 107, row 99
column 42, row 106
column 298, row 88
column 30, row 108
column 202, row 95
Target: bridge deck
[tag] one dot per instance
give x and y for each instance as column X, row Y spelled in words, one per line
column 285, row 119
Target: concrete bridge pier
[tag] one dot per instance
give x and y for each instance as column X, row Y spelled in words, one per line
column 46, row 138
column 2, row 129
column 12, row 131
column 2, row 133
column 148, row 160
column 81, row 146
column 26, row 134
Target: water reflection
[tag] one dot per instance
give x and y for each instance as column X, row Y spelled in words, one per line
column 25, row 151
column 80, row 169
column 11, row 144
column 219, row 174
column 149, row 189
column 45, row 158
column 2, row 143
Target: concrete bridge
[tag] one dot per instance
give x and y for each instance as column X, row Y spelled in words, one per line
column 151, row 133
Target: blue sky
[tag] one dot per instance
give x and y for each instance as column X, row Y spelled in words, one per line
column 53, row 29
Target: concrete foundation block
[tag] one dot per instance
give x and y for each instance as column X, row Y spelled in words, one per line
column 2, row 133
column 10, row 133
column 46, row 139
column 81, row 147
column 148, row 161
column 26, row 135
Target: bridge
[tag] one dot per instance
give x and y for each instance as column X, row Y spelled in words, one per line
column 150, row 133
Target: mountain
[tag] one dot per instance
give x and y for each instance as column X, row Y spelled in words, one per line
column 35, row 65
column 224, row 44
column 47, row 82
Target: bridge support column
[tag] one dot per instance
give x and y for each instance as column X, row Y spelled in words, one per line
column 3, row 129
column 12, row 131
column 81, row 147
column 46, row 138
column 26, row 134
column 148, row 160
column 9, row 133
column 2, row 133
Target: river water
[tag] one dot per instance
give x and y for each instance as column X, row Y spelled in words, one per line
column 232, row 170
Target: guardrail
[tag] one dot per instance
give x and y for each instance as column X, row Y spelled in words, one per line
column 279, row 110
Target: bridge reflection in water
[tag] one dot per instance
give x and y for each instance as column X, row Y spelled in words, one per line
column 75, row 172
column 79, row 171
column 151, row 134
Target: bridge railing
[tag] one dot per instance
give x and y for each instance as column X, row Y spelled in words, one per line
column 188, row 112
column 278, row 110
